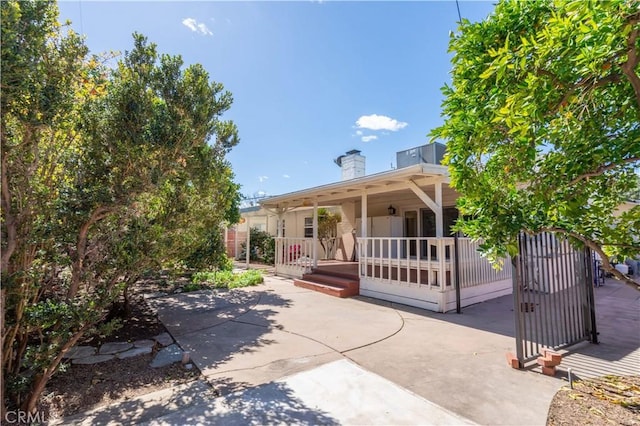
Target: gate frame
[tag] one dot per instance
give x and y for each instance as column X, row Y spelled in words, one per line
column 572, row 278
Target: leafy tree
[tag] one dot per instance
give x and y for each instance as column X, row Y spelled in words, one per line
column 263, row 246
column 542, row 124
column 104, row 173
column 328, row 230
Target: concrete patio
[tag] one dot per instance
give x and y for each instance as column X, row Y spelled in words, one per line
column 282, row 354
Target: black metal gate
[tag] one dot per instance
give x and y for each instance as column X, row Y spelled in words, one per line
column 553, row 295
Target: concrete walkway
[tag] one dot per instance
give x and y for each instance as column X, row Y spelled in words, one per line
column 252, row 337
column 283, row 354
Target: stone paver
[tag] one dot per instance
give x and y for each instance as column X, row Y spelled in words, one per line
column 80, row 352
column 114, row 347
column 135, row 352
column 167, row 356
column 93, row 359
column 145, row 343
column 164, row 339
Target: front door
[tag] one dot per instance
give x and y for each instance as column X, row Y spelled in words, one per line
column 410, row 231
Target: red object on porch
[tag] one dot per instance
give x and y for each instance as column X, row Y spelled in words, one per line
column 294, row 252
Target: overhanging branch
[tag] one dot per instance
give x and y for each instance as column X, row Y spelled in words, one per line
column 629, row 67
column 600, row 170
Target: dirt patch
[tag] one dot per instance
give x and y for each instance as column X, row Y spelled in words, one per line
column 609, row 400
column 77, row 388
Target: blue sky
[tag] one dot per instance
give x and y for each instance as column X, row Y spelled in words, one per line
column 310, row 80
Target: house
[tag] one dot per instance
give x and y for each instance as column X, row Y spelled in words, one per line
column 394, row 237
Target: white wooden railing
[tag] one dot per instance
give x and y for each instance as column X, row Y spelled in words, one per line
column 294, row 256
column 425, row 262
column 406, row 261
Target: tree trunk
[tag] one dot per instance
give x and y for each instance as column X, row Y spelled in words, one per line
column 3, row 383
column 30, row 404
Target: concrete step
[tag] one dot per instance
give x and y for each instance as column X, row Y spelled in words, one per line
column 330, row 289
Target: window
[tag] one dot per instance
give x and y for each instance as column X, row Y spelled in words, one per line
column 282, row 228
column 308, row 227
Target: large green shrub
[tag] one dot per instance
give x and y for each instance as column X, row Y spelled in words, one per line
column 263, row 247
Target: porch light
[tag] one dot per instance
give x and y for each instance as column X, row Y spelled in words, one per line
column 391, row 210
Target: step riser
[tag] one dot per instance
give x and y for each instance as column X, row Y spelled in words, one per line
column 346, row 275
column 327, row 279
column 332, row 291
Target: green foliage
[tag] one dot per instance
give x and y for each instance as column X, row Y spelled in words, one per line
column 106, row 172
column 263, row 247
column 542, row 124
column 328, row 230
column 225, row 279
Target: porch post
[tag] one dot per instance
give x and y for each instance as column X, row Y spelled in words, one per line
column 236, row 242
column 363, row 214
column 226, row 240
column 248, row 250
column 315, row 234
column 438, row 212
column 279, row 243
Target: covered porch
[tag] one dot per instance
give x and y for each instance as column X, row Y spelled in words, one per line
column 395, row 231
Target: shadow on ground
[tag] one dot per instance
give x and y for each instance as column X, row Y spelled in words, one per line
column 617, row 321
column 272, row 403
column 215, row 326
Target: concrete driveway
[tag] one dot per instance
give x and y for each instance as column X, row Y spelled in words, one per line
column 251, row 337
column 280, row 354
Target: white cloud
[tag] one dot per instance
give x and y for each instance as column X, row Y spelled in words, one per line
column 286, row 176
column 369, row 138
column 380, row 122
column 359, row 132
column 263, row 178
column 195, row 26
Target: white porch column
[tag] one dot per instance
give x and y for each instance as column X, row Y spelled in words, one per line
column 439, row 218
column 363, row 214
column 236, row 242
column 279, row 226
column 315, row 234
column 226, row 239
column 248, row 250
column 279, row 243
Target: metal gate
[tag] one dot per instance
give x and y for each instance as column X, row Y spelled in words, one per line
column 553, row 295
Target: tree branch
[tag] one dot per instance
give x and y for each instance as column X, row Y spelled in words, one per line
column 600, row 170
column 628, row 68
column 81, row 248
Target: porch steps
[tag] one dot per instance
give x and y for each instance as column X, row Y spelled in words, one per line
column 332, row 283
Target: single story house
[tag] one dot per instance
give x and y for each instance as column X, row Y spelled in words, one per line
column 394, row 239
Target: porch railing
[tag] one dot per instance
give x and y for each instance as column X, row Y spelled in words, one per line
column 406, row 261
column 294, row 256
column 425, row 262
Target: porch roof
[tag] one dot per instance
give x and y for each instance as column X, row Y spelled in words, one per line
column 378, row 183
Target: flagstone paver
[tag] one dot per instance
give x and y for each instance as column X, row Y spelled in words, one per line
column 167, row 356
column 164, row 339
column 114, row 347
column 94, row 359
column 80, row 352
column 145, row 343
column 135, row 352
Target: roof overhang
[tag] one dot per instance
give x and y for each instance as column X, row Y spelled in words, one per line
column 349, row 190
